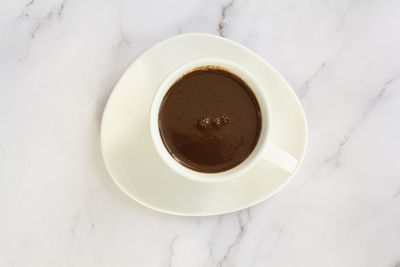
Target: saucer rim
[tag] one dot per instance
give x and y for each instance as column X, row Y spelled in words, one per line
column 208, row 213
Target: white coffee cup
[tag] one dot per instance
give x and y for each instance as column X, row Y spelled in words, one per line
column 264, row 149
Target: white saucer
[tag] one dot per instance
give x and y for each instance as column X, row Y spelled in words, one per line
column 135, row 165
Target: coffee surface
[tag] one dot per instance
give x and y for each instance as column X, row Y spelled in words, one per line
column 210, row 120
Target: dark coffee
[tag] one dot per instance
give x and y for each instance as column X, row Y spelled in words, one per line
column 210, row 120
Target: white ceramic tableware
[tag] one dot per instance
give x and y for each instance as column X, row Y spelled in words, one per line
column 137, row 168
column 264, row 150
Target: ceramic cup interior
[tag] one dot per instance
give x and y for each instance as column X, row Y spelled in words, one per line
column 259, row 93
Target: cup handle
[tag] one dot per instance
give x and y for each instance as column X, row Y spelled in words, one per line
column 279, row 157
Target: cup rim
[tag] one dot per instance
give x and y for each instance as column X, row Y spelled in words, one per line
column 261, row 98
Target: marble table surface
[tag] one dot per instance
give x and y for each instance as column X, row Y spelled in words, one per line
column 59, row 61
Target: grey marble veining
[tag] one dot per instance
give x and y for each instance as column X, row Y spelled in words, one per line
column 59, row 61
